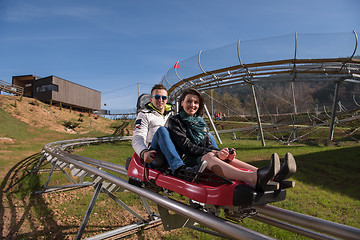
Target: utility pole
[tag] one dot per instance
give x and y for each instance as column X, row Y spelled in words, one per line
column 138, row 89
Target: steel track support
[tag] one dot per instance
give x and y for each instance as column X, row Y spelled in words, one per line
column 212, row 124
column 68, row 177
column 293, row 96
column 147, row 208
column 333, row 113
column 122, row 204
column 173, row 221
column 126, row 230
column 49, row 177
column 36, row 169
column 47, row 188
column 210, row 116
column 153, row 220
column 89, row 210
column 252, row 88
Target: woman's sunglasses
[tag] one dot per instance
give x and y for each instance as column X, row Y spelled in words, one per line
column 157, row 97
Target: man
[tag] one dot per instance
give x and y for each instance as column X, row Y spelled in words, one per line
column 152, row 140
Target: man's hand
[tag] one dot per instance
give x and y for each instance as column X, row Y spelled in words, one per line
column 149, row 156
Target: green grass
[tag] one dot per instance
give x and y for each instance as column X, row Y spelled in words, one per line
column 327, row 180
column 12, row 128
column 111, row 152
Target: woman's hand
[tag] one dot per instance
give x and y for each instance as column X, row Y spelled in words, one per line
column 232, row 154
column 223, row 154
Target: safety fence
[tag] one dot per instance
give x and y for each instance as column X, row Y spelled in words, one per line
column 293, row 57
column 332, row 58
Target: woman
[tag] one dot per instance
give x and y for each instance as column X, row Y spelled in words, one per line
column 188, row 131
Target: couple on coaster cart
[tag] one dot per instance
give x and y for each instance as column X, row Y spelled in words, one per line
column 188, row 148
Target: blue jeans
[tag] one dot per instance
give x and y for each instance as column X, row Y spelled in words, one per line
column 213, row 142
column 162, row 141
column 163, row 144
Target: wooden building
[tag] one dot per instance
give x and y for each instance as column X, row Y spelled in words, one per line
column 58, row 90
column 26, row 82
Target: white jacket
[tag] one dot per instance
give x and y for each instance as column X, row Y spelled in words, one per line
column 146, row 124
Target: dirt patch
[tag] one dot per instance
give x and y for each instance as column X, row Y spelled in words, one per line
column 39, row 114
column 6, row 140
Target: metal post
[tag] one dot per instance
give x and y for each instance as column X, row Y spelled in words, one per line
column 122, row 204
column 177, row 107
column 89, row 210
column 62, row 170
column 333, row 113
column 212, row 124
column 257, row 114
column 147, row 207
column 36, row 169
column 293, row 95
column 50, row 174
column 212, row 103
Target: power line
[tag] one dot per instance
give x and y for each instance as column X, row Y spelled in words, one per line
column 122, row 88
column 118, row 89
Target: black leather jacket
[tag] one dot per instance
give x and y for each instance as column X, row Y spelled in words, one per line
column 177, row 129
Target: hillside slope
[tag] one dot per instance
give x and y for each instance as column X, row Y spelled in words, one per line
column 39, row 115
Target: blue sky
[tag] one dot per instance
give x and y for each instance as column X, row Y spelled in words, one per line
column 112, row 45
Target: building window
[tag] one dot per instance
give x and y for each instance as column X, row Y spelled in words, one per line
column 48, row 87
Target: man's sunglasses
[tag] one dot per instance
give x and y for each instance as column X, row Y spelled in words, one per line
column 157, row 97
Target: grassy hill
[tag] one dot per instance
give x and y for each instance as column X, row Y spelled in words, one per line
column 38, row 114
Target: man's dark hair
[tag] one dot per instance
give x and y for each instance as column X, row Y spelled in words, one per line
column 158, row 86
column 193, row 91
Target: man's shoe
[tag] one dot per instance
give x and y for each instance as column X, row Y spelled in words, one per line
column 264, row 174
column 287, row 169
column 191, row 174
column 199, row 169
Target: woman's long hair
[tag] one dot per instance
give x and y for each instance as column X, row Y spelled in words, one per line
column 193, row 91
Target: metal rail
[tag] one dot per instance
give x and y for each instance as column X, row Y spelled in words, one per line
column 11, row 88
column 58, row 152
column 317, row 224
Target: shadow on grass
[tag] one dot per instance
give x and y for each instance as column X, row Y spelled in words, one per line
column 335, row 170
column 24, row 214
